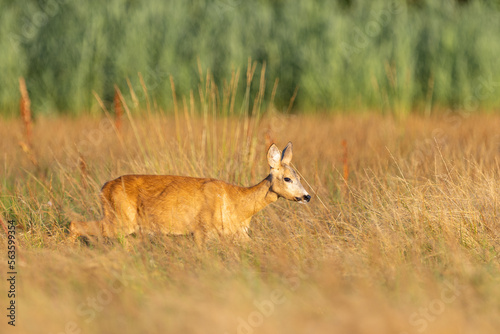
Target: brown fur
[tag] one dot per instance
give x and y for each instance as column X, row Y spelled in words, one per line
column 180, row 205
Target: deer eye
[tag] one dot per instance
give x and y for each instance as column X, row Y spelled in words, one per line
column 287, row 179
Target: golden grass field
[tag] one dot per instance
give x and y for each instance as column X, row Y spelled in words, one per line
column 401, row 235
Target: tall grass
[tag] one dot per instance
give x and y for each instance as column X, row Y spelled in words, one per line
column 392, row 56
column 401, row 234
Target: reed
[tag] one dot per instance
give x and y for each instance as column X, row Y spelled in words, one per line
column 25, row 111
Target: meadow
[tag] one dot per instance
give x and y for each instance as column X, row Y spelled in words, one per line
column 392, row 108
column 401, row 235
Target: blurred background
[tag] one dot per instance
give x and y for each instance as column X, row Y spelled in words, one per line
column 396, row 56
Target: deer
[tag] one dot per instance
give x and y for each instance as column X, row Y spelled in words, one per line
column 182, row 205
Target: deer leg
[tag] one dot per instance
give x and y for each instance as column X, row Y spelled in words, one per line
column 86, row 229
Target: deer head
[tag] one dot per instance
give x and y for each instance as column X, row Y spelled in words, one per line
column 285, row 181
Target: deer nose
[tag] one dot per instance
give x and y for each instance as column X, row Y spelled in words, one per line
column 307, row 198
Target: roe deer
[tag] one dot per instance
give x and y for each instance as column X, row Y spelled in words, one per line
column 179, row 205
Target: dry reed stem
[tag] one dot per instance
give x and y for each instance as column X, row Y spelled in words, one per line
column 176, row 110
column 118, row 111
column 292, row 100
column 146, row 94
column 29, row 153
column 133, row 96
column 100, row 102
column 273, row 93
column 25, row 110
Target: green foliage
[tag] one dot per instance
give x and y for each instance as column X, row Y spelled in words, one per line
column 395, row 56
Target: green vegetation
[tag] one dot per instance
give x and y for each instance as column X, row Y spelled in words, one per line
column 390, row 56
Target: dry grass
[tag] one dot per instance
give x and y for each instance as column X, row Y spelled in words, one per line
column 407, row 244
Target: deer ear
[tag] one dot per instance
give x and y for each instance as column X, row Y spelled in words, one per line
column 273, row 156
column 287, row 154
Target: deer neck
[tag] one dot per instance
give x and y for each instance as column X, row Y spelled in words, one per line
column 255, row 198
